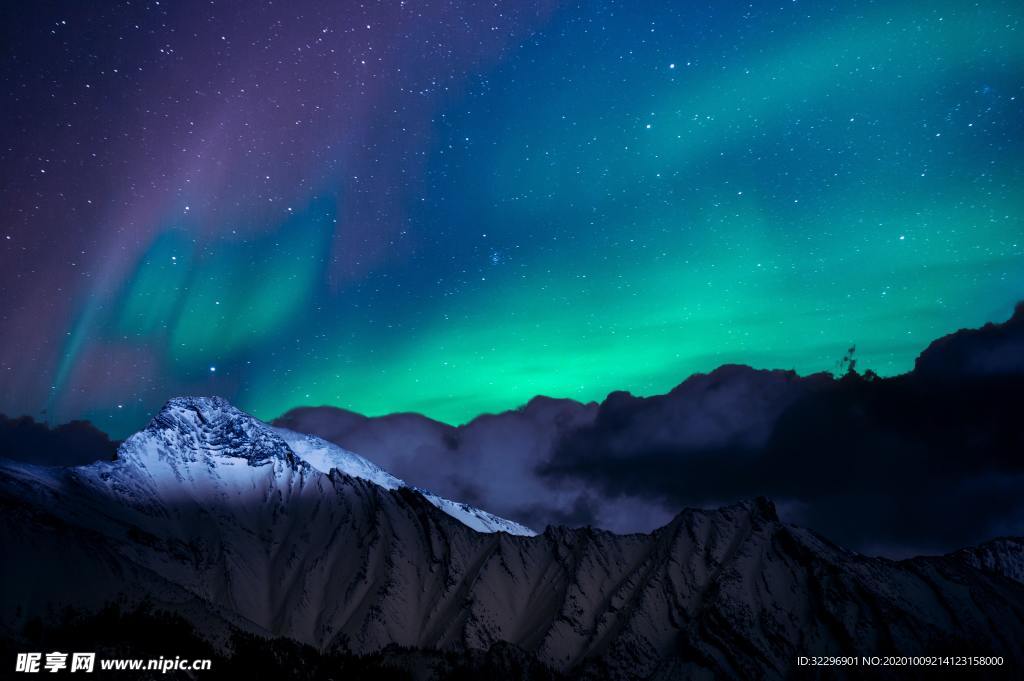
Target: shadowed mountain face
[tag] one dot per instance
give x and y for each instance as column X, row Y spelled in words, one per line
column 213, row 515
column 920, row 463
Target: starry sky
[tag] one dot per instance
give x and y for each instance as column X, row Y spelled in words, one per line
column 449, row 207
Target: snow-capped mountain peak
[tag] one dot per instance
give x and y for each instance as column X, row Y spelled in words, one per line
column 192, row 428
column 204, row 439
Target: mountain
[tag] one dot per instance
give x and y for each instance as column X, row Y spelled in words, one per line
column 1002, row 556
column 236, row 527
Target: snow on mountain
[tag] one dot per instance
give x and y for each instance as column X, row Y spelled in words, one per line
column 481, row 521
column 323, row 456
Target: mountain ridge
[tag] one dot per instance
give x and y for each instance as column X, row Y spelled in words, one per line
column 266, row 543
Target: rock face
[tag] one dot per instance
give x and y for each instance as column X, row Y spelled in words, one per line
column 1004, row 556
column 221, row 518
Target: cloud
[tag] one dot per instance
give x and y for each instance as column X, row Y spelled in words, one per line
column 502, row 462
column 901, row 463
column 70, row 444
column 489, row 462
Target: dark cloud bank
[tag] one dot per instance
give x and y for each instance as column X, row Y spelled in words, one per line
column 923, row 462
column 70, row 444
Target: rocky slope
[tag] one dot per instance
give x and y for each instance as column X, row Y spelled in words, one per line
column 216, row 516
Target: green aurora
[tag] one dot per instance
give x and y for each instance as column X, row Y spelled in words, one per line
column 628, row 194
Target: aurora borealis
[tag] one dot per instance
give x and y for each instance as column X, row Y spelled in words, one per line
column 451, row 207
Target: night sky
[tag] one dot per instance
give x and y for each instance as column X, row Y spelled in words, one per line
column 450, row 207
